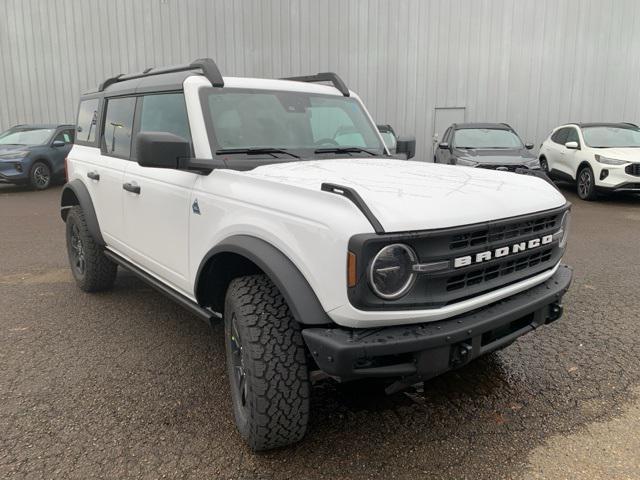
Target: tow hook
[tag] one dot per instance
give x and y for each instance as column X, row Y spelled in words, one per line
column 555, row 312
column 460, row 354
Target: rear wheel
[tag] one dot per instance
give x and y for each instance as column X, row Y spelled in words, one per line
column 266, row 364
column 544, row 165
column 586, row 184
column 92, row 271
column 40, row 176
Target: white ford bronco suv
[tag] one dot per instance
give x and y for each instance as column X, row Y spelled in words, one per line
column 275, row 206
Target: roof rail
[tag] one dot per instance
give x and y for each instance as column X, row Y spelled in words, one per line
column 208, row 67
column 323, row 77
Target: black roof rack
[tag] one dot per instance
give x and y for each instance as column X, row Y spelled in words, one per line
column 323, row 77
column 208, row 67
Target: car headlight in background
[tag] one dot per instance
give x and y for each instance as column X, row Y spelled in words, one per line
column 466, row 162
column 391, row 272
column 565, row 223
column 14, row 155
column 610, row 161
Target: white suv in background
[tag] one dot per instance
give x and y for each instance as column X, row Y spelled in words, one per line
column 597, row 157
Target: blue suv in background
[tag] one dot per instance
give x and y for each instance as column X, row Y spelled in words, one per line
column 34, row 154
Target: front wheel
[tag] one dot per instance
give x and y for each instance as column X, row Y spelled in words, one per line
column 586, row 184
column 266, row 364
column 40, row 176
column 92, row 271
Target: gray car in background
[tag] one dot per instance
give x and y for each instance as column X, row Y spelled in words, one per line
column 485, row 145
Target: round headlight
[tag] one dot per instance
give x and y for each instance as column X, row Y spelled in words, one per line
column 564, row 227
column 391, row 272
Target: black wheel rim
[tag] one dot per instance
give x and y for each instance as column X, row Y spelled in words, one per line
column 77, row 251
column 584, row 183
column 237, row 362
column 41, row 176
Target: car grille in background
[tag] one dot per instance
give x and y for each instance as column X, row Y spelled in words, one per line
column 510, row 168
column 633, row 169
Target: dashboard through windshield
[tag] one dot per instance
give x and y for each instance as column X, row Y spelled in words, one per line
column 299, row 123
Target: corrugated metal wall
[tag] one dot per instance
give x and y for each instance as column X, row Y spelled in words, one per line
column 532, row 63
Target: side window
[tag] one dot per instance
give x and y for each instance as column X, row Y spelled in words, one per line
column 165, row 113
column 87, row 120
column 572, row 136
column 560, row 136
column 118, row 124
column 65, row 135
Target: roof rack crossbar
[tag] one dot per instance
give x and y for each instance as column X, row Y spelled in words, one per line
column 323, row 77
column 208, row 67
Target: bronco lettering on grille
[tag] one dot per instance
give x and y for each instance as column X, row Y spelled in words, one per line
column 501, row 252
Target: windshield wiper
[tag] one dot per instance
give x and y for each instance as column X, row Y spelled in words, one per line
column 346, row 150
column 256, row 151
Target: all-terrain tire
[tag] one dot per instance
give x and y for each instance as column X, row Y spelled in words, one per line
column 92, row 271
column 266, row 363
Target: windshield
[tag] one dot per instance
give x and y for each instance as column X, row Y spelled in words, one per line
column 33, row 136
column 297, row 122
column 607, row 137
column 486, row 138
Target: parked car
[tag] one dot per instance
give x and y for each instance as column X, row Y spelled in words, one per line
column 34, row 154
column 275, row 206
column 485, row 145
column 597, row 157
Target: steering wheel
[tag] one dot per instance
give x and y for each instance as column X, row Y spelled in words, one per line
column 326, row 141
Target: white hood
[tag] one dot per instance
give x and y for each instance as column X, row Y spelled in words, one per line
column 407, row 195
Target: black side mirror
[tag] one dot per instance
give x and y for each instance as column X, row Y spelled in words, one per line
column 443, row 145
column 406, row 145
column 528, row 146
column 58, row 143
column 161, row 149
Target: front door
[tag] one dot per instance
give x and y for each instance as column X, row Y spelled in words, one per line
column 157, row 201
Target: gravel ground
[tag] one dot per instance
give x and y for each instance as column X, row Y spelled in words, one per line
column 126, row 384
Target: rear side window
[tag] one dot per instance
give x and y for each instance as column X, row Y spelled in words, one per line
column 165, row 113
column 118, row 124
column 87, row 120
column 560, row 136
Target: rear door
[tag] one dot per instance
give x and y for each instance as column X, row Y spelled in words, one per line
column 556, row 149
column 156, row 215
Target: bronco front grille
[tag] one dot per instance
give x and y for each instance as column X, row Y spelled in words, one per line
column 449, row 284
column 481, row 275
column 504, row 232
column 633, row 169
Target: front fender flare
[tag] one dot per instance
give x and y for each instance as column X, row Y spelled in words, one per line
column 300, row 297
column 76, row 193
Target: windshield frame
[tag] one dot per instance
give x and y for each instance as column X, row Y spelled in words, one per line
column 584, row 138
column 520, row 147
column 26, row 129
column 302, row 153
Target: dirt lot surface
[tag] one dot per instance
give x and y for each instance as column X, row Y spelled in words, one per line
column 126, row 384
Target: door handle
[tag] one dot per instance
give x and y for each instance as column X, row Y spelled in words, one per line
column 131, row 187
column 93, row 176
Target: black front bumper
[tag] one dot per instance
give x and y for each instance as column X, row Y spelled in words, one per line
column 422, row 351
